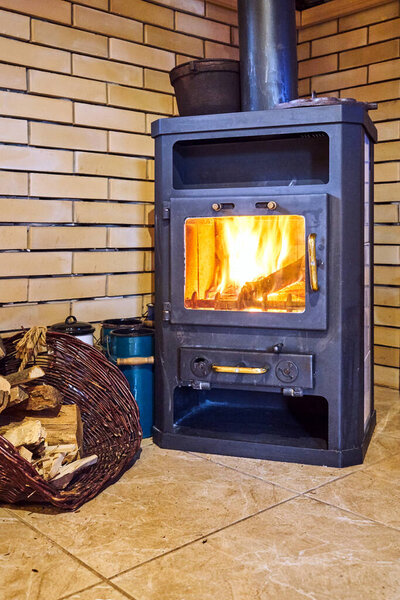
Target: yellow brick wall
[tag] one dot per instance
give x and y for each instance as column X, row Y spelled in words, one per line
column 357, row 55
column 80, row 83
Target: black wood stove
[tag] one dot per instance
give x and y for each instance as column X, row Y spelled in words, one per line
column 264, row 284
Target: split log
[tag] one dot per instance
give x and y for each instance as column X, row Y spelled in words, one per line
column 2, row 349
column 43, row 397
column 65, row 427
column 67, row 472
column 17, row 395
column 25, row 453
column 28, row 433
column 24, row 376
column 54, row 457
column 5, row 389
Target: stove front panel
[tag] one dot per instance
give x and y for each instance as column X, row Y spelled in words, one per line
column 252, row 360
column 249, row 261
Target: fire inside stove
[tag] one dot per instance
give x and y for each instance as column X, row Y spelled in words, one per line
column 245, row 263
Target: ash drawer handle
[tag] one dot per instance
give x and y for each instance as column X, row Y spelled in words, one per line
column 312, row 262
column 136, row 360
column 239, row 370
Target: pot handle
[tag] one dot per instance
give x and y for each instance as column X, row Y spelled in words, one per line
column 70, row 319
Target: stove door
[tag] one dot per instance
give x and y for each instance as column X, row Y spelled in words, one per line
column 249, row 261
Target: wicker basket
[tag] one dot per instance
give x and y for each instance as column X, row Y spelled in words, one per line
column 110, row 419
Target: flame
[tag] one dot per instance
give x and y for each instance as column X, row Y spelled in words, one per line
column 253, row 247
column 241, row 253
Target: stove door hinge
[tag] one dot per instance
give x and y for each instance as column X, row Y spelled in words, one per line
column 295, row 392
column 166, row 313
column 166, row 210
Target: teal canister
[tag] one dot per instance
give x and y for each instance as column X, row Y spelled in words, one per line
column 131, row 343
column 108, row 325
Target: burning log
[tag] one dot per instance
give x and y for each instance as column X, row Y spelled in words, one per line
column 260, row 288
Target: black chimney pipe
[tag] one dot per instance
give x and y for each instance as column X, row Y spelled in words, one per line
column 268, row 52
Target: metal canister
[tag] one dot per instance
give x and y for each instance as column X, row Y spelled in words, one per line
column 109, row 324
column 125, row 343
column 79, row 329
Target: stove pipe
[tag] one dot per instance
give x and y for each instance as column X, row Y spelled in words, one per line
column 268, row 52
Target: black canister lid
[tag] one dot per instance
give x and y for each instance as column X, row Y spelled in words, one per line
column 72, row 326
column 132, row 332
column 124, row 322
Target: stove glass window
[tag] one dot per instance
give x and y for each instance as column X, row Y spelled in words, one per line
column 245, row 263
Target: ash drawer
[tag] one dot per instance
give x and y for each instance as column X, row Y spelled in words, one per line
column 236, row 367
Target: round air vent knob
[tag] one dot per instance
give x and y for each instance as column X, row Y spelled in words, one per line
column 287, row 371
column 201, row 367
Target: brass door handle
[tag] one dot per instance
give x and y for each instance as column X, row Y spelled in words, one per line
column 312, row 262
column 239, row 370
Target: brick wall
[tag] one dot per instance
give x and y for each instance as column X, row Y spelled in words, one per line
column 81, row 83
column 358, row 55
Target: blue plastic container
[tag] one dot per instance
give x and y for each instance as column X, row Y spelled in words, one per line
column 123, row 343
column 109, row 325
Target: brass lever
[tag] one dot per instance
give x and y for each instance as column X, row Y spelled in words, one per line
column 240, row 370
column 312, row 262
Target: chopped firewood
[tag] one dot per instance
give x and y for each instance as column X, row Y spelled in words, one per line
column 2, row 349
column 49, row 466
column 25, row 453
column 64, row 428
column 17, row 395
column 50, row 463
column 43, row 397
column 4, row 400
column 4, row 384
column 5, row 389
column 28, row 433
column 67, row 472
column 70, row 451
column 24, row 376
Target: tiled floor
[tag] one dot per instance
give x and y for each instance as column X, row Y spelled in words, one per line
column 180, row 526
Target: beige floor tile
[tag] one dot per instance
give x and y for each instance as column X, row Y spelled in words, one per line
column 167, row 499
column 103, row 591
column 388, row 416
column 32, row 568
column 302, row 478
column 373, row 492
column 300, row 549
column 386, row 394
